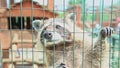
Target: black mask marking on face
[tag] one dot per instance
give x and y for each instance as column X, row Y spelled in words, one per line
column 42, row 35
column 64, row 32
column 57, row 28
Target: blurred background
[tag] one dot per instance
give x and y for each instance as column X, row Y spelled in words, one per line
column 16, row 18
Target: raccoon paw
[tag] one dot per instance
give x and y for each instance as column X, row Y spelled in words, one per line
column 62, row 65
column 106, row 32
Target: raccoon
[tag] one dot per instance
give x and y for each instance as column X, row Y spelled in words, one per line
column 66, row 43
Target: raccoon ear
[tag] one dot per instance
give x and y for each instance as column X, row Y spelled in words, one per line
column 37, row 24
column 71, row 17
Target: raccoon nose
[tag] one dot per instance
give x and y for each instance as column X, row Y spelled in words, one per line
column 48, row 35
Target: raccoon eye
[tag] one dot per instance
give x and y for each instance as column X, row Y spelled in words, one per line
column 57, row 26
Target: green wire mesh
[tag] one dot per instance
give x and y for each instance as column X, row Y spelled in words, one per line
column 23, row 24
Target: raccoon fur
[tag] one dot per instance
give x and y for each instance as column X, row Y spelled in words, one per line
column 66, row 43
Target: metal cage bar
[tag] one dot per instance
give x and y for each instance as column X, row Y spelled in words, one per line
column 24, row 50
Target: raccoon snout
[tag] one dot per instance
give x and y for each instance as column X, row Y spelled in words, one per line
column 48, row 35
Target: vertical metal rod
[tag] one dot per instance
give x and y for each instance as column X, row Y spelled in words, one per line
column 33, row 51
column 21, row 19
column 119, row 47
column 74, row 23
column 64, row 30
column 11, row 50
column 53, row 31
column 101, row 22
column 1, row 54
column 44, row 51
column 83, row 13
column 119, row 51
column 111, row 17
column 93, row 17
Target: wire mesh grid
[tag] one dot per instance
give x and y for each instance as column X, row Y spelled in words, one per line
column 23, row 46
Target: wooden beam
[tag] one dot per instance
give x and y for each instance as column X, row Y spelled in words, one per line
column 12, row 60
column 24, row 41
column 33, row 61
column 22, row 60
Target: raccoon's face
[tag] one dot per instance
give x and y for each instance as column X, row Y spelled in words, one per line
column 52, row 31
